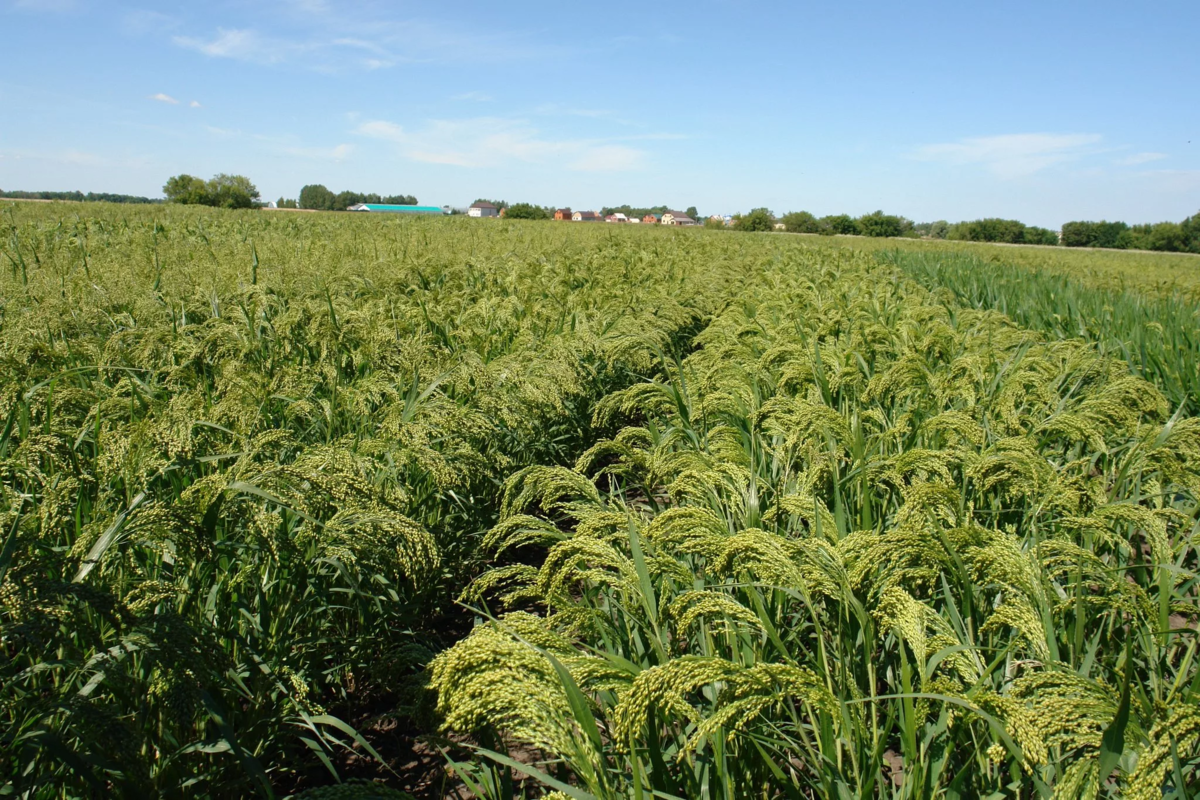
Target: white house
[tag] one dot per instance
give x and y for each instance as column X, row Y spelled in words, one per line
column 677, row 218
column 482, row 209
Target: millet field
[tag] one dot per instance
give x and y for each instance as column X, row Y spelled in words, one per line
column 331, row 505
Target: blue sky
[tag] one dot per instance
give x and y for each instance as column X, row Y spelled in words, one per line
column 1040, row 111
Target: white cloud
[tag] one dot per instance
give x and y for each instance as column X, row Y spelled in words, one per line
column 1014, row 155
column 242, row 45
column 1140, row 158
column 498, row 142
column 194, row 104
column 164, row 98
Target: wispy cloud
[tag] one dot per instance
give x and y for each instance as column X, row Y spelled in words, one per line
column 1014, row 155
column 194, row 104
column 241, row 45
column 326, row 38
column 1140, row 158
column 498, row 142
column 164, row 98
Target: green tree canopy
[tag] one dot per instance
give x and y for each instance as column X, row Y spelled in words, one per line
column 799, row 222
column 838, row 224
column 223, row 191
column 187, row 190
column 232, row 191
column 880, row 224
column 525, row 211
column 315, row 196
column 759, row 219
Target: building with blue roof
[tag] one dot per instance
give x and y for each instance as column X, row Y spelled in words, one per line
column 394, row 209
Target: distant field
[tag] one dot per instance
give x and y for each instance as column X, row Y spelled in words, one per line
column 1164, row 274
column 552, row 510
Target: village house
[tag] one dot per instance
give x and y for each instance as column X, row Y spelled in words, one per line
column 677, row 218
column 586, row 216
column 618, row 217
column 652, row 219
column 563, row 214
column 482, row 209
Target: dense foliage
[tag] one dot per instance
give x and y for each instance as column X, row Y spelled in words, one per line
column 526, row 211
column 1180, row 237
column 732, row 516
column 1004, row 231
column 318, row 198
column 221, row 191
column 756, row 220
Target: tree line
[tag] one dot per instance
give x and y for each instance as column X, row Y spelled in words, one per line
column 1177, row 237
column 1183, row 237
column 79, row 197
column 319, row 198
column 221, row 191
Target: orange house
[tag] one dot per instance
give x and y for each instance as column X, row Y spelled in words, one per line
column 563, row 214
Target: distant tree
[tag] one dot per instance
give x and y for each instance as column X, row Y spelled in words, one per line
column 692, row 212
column 79, row 197
column 882, row 225
column 316, row 197
column 993, row 229
column 843, row 224
column 1169, row 236
column 938, row 229
column 799, row 222
column 233, row 191
column 1036, row 235
column 400, row 200
column 1191, row 233
column 759, row 219
column 1096, row 234
column 525, row 211
column 187, row 190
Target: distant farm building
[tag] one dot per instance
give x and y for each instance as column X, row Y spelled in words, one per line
column 618, row 217
column 563, row 214
column 482, row 209
column 652, row 219
column 393, row 209
column 677, row 218
column 586, row 216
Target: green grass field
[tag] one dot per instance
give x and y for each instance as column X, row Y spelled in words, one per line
column 530, row 509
